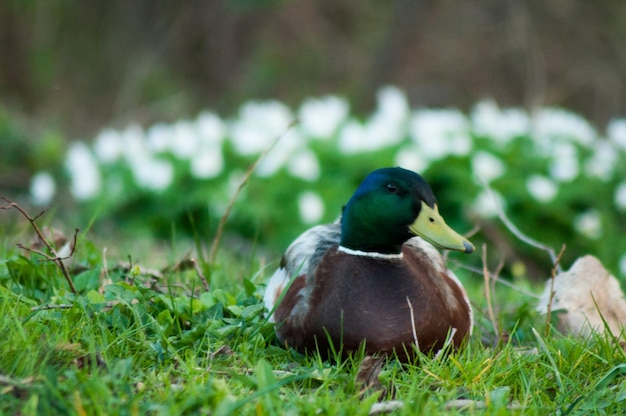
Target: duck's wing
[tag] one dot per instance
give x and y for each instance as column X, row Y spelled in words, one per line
column 304, row 254
column 301, row 259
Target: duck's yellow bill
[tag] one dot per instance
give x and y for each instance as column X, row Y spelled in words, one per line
column 431, row 226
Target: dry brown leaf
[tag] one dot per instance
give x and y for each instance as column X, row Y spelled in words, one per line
column 583, row 296
column 186, row 263
column 367, row 380
column 223, row 351
column 87, row 360
column 369, row 370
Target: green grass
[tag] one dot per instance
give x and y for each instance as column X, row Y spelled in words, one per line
column 131, row 344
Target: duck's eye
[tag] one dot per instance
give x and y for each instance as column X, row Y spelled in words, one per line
column 431, row 219
column 391, row 188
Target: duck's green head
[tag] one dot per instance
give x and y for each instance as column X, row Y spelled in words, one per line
column 390, row 206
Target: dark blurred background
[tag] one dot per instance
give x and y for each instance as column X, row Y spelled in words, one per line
column 77, row 66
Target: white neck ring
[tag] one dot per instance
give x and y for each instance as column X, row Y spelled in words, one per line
column 371, row 254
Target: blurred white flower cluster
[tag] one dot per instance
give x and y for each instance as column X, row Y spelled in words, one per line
column 568, row 143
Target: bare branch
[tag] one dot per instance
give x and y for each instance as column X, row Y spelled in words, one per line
column 242, row 184
column 487, row 277
column 46, row 257
column 105, row 267
column 516, row 231
column 553, row 274
column 417, row 344
column 205, row 282
column 73, row 243
column 49, row 307
column 49, row 257
column 495, row 278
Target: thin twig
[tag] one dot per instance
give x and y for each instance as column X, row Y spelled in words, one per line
column 74, row 242
column 13, row 205
column 105, row 267
column 104, row 279
column 54, row 256
column 49, row 307
column 233, row 198
column 516, row 231
column 495, row 278
column 46, row 256
column 487, row 277
column 205, row 282
column 475, row 229
column 553, row 274
column 417, row 344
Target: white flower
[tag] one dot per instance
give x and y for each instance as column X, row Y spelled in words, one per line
column 351, row 137
column 616, row 130
column 460, row 144
column 210, row 128
column 207, row 163
column 42, row 188
column 555, row 123
column 304, row 165
column 152, row 174
column 108, row 146
column 321, row 117
column 385, row 127
column 620, row 196
column 83, row 171
column 393, row 105
column 439, row 133
column 589, row 224
column 135, row 146
column 488, row 204
column 488, row 120
column 377, row 133
column 603, row 161
column 259, row 124
column 159, row 138
column 541, row 188
column 409, row 158
column 208, row 160
column 383, row 130
column 185, row 140
column 564, row 166
column 278, row 156
column 486, row 166
column 311, row 207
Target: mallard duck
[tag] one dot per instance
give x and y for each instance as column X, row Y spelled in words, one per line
column 374, row 276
